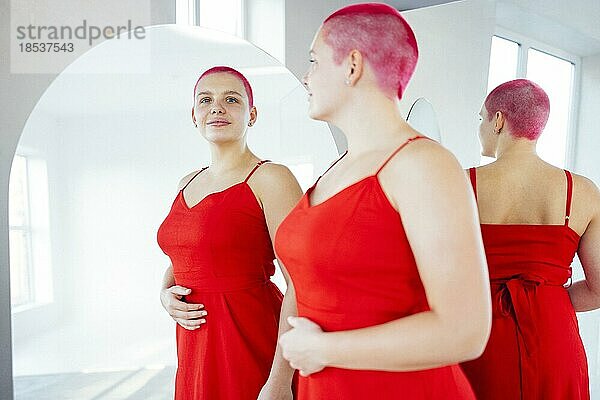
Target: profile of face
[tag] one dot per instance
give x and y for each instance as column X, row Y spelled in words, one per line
column 487, row 133
column 324, row 80
column 221, row 108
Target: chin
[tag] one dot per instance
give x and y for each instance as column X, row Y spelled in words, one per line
column 217, row 137
column 315, row 114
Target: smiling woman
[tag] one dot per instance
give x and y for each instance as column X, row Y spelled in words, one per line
column 218, row 287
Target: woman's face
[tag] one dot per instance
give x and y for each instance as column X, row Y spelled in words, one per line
column 487, row 136
column 324, row 81
column 221, row 108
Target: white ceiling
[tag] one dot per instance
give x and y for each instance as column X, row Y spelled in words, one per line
column 404, row 5
column 571, row 26
column 581, row 15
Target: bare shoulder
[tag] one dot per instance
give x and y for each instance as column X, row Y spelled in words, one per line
column 185, row 180
column 273, row 177
column 586, row 192
column 421, row 173
column 276, row 189
column 425, row 161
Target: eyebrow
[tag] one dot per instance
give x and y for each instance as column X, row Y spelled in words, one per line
column 227, row 92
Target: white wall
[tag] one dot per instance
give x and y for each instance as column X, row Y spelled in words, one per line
column 269, row 36
column 588, row 137
column 452, row 69
column 104, row 213
column 587, row 147
column 302, row 20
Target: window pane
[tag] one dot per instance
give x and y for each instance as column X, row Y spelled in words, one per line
column 223, row 15
column 184, row 12
column 555, row 76
column 504, row 58
column 17, row 192
column 20, row 292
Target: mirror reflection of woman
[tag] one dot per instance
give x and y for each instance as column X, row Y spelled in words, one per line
column 534, row 219
column 218, row 235
column 384, row 250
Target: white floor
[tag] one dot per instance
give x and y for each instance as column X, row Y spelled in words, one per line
column 142, row 384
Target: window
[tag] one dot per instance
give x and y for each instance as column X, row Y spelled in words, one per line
column 223, row 15
column 554, row 71
column 555, row 75
column 29, row 233
column 20, row 235
column 503, row 62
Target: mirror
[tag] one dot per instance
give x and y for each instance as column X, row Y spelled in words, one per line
column 95, row 174
column 421, row 116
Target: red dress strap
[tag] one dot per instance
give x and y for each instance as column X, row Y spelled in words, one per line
column 473, row 177
column 398, row 149
column 197, row 173
column 331, row 166
column 569, row 196
column 258, row 164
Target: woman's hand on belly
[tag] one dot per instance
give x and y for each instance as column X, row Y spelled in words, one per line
column 189, row 316
column 302, row 346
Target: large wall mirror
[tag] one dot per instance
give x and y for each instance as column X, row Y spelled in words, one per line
column 95, row 173
column 97, row 167
column 422, row 117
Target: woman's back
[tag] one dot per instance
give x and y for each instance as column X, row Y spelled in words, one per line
column 531, row 227
column 531, row 192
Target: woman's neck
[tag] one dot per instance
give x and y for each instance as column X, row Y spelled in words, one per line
column 371, row 122
column 516, row 149
column 230, row 156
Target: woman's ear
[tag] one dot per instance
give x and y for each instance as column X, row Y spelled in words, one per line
column 499, row 122
column 194, row 118
column 253, row 116
column 355, row 67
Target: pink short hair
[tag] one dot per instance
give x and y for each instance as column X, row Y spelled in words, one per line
column 233, row 72
column 382, row 36
column 524, row 104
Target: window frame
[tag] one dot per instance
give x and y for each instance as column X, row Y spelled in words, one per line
column 27, row 229
column 193, row 15
column 39, row 247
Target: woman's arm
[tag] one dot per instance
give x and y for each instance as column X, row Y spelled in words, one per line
column 279, row 192
column 279, row 383
column 428, row 187
column 189, row 316
column 585, row 294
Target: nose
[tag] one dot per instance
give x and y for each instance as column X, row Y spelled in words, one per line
column 305, row 80
column 217, row 109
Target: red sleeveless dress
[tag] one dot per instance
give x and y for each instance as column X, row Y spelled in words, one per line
column 534, row 351
column 221, row 249
column 352, row 267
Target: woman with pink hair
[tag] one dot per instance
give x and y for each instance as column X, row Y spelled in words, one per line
column 534, row 218
column 384, row 250
column 218, row 235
